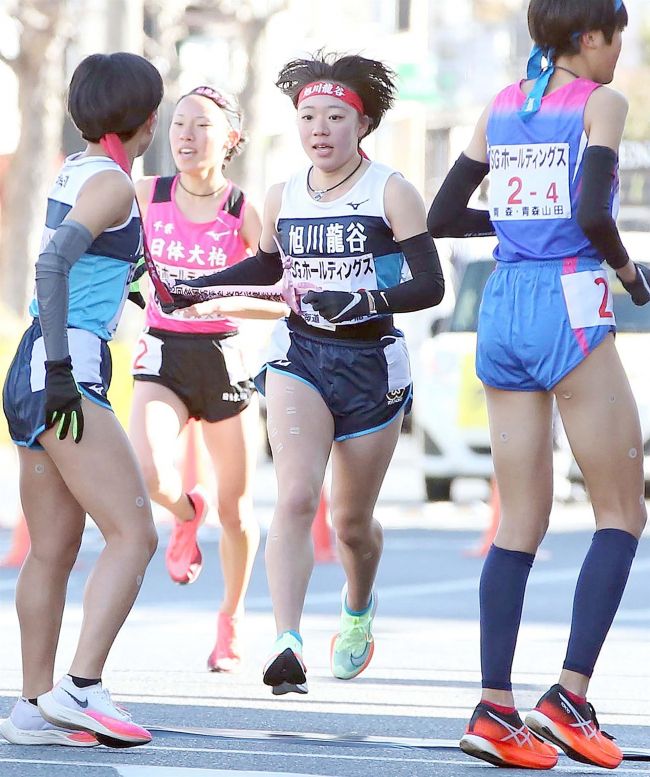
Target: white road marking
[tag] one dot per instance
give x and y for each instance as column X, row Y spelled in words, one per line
column 536, row 578
column 165, row 771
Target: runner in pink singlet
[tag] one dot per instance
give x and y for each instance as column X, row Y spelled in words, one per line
column 189, row 364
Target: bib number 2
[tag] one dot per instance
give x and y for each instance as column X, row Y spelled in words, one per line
column 588, row 299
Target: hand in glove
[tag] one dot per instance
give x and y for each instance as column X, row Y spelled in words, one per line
column 63, row 400
column 338, row 306
column 178, row 302
column 639, row 288
column 135, row 295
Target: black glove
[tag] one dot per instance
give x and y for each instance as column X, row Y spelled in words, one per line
column 178, row 302
column 134, row 287
column 63, row 400
column 338, row 306
column 639, row 289
column 137, row 299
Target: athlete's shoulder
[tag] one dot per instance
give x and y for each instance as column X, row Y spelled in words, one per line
column 604, row 98
column 144, row 187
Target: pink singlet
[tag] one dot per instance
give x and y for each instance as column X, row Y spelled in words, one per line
column 183, row 249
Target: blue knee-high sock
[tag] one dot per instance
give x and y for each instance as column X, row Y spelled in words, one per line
column 501, row 594
column 598, row 593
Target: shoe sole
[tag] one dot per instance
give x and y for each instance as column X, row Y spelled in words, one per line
column 19, row 736
column 544, row 727
column 193, row 572
column 64, row 717
column 478, row 747
column 234, row 668
column 285, row 674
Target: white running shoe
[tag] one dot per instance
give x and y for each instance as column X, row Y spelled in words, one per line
column 91, row 709
column 26, row 726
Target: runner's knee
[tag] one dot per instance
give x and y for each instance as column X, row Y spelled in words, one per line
column 351, row 529
column 57, row 551
column 298, row 503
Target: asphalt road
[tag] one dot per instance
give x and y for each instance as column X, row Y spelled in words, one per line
column 401, row 718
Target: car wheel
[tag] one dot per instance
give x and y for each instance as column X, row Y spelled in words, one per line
column 437, row 489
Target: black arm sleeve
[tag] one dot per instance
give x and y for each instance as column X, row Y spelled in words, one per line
column 594, row 210
column 263, row 269
column 449, row 215
column 427, row 286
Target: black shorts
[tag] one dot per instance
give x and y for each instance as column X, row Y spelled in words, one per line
column 207, row 372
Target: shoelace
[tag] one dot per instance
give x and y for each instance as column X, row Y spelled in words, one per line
column 355, row 637
column 597, row 724
column 106, row 697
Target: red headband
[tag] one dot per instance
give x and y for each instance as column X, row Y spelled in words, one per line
column 335, row 90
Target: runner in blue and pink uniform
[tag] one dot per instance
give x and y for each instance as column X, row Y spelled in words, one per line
column 545, row 331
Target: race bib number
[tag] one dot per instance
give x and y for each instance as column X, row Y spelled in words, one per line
column 588, row 299
column 147, row 357
column 343, row 273
column 529, row 182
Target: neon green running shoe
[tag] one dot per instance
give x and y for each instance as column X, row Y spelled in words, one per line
column 353, row 646
column 284, row 670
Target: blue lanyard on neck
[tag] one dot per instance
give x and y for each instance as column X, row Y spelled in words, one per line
column 542, row 75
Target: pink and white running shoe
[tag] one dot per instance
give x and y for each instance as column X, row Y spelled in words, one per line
column 183, row 557
column 26, row 726
column 91, row 709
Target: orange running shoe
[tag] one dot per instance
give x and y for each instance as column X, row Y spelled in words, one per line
column 503, row 740
column 183, row 556
column 573, row 727
column 226, row 656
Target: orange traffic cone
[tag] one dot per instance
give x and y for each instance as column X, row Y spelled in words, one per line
column 490, row 532
column 321, row 533
column 20, row 545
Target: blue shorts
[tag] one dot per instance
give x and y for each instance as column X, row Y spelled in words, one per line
column 23, row 395
column 365, row 384
column 540, row 320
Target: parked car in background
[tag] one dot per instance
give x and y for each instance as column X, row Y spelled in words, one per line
column 449, row 413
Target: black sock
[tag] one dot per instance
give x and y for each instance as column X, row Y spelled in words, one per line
column 82, row 682
column 33, row 701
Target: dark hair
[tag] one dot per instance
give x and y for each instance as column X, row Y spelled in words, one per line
column 113, row 93
column 370, row 79
column 555, row 24
column 232, row 111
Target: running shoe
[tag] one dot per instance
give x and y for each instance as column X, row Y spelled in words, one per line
column 225, row 656
column 352, row 648
column 183, row 556
column 26, row 726
column 91, row 709
column 573, row 727
column 285, row 671
column 503, row 740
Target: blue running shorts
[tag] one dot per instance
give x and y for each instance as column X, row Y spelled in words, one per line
column 539, row 320
column 365, row 384
column 23, row 395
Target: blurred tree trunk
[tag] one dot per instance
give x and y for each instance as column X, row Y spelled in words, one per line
column 39, row 68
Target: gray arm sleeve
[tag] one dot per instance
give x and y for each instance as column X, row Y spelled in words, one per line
column 66, row 246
